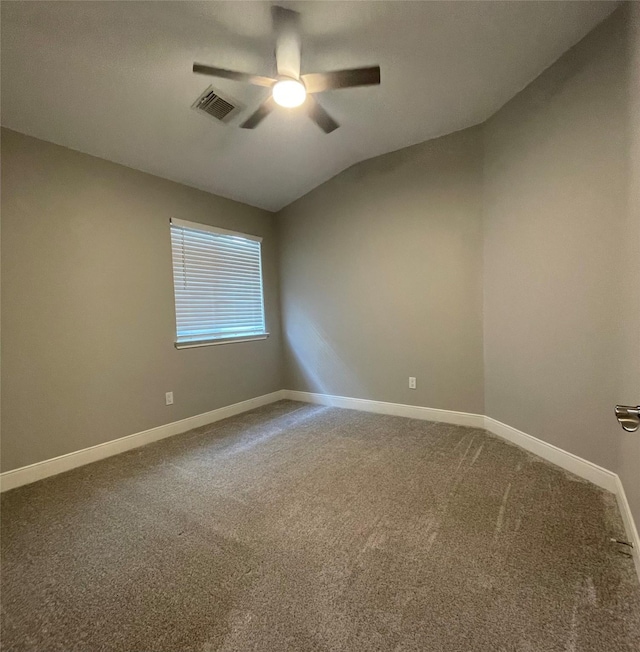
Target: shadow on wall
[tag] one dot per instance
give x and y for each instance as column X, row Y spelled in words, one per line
column 317, row 361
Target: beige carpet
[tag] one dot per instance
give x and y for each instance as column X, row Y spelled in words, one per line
column 299, row 527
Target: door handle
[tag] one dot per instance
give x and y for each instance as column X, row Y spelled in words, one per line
column 628, row 416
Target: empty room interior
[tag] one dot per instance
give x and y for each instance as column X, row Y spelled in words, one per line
column 320, row 326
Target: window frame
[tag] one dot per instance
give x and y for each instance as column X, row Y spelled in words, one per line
column 191, row 344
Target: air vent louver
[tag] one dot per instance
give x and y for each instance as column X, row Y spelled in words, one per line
column 212, row 104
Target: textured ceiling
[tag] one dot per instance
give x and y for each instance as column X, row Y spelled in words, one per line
column 114, row 79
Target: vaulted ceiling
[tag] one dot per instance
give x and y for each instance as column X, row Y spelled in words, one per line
column 114, row 79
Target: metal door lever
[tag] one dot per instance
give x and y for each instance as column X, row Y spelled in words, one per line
column 628, row 416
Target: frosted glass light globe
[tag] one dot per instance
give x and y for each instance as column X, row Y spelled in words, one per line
column 289, row 93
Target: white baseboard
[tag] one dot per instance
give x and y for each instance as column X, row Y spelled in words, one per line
column 577, row 465
column 395, row 409
column 629, row 523
column 568, row 461
column 580, row 467
column 41, row 470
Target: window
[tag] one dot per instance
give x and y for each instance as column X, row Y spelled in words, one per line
column 217, row 280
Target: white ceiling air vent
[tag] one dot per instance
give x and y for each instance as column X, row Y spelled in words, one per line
column 215, row 106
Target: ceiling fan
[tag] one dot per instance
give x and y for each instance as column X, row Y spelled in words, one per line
column 290, row 88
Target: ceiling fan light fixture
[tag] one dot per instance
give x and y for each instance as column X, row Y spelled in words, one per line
column 290, row 89
column 289, row 93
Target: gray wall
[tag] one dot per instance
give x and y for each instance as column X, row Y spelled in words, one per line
column 87, row 304
column 490, row 264
column 555, row 211
column 382, row 275
column 381, row 272
column 629, row 393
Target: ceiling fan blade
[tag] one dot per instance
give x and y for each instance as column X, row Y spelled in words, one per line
column 286, row 25
column 259, row 114
column 320, row 116
column 232, row 74
column 316, row 82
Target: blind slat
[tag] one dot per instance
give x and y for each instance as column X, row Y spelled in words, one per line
column 213, row 274
column 204, row 254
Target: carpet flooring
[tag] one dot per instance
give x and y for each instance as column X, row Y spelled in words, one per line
column 301, row 527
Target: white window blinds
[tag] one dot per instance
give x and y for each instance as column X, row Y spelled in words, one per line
column 217, row 280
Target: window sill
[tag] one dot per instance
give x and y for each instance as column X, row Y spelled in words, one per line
column 224, row 340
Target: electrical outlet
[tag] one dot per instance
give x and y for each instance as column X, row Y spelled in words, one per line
column 169, row 398
column 412, row 382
